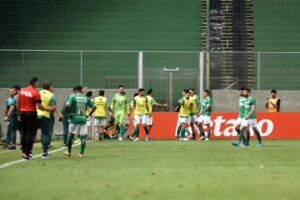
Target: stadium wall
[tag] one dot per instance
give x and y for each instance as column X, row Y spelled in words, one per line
column 223, row 101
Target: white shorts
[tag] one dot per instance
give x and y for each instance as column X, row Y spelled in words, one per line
column 204, row 119
column 99, row 122
column 149, row 120
column 133, row 121
column 140, row 119
column 126, row 120
column 193, row 118
column 184, row 120
column 238, row 121
column 78, row 129
column 249, row 123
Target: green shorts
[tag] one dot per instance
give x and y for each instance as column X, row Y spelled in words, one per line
column 120, row 118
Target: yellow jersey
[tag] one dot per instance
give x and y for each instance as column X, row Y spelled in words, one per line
column 48, row 99
column 195, row 104
column 151, row 102
column 101, row 106
column 140, row 105
column 185, row 108
column 272, row 108
column 132, row 108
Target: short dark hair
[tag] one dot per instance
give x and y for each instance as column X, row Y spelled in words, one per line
column 101, row 92
column 274, row 91
column 248, row 89
column 33, row 80
column 192, row 89
column 121, row 86
column 141, row 89
column 206, row 91
column 150, row 91
column 16, row 87
column 89, row 94
column 47, row 85
column 241, row 88
column 77, row 88
column 186, row 90
column 135, row 94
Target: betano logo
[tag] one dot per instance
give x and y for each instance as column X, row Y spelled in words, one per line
column 222, row 127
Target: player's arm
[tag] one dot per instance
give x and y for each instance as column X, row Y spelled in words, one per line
column 54, row 108
column 154, row 103
column 134, row 104
column 251, row 112
column 113, row 101
column 9, row 112
column 92, row 106
column 68, row 106
column 267, row 103
column 278, row 105
column 111, row 112
column 127, row 104
column 39, row 105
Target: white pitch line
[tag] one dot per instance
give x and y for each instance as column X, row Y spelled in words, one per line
column 36, row 156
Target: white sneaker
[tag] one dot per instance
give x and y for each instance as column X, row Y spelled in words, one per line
column 120, row 139
column 130, row 137
column 202, row 138
column 185, row 139
column 206, row 139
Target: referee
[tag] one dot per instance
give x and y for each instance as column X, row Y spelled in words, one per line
column 29, row 99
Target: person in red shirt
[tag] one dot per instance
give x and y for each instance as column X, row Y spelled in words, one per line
column 29, row 99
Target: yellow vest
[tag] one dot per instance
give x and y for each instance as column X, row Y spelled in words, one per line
column 195, row 104
column 272, row 108
column 185, row 108
column 140, row 105
column 46, row 97
column 150, row 103
column 101, row 104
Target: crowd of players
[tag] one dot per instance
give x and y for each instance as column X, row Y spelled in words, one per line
column 29, row 109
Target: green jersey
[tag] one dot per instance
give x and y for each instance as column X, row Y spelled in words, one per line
column 78, row 105
column 242, row 107
column 206, row 102
column 249, row 102
column 120, row 104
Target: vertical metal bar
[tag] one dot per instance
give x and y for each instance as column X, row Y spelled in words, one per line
column 23, row 67
column 171, row 91
column 201, row 74
column 258, row 71
column 141, row 70
column 81, row 75
column 207, row 44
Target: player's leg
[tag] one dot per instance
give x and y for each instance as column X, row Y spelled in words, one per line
column 244, row 127
column 52, row 121
column 9, row 132
column 44, row 124
column 14, row 133
column 65, row 123
column 193, row 123
column 149, row 123
column 256, row 131
column 201, row 129
column 102, row 127
column 237, row 127
column 144, row 122
column 73, row 131
column 206, row 121
column 33, row 125
column 183, row 123
column 83, row 137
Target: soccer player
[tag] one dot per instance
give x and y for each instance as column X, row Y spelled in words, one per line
column 194, row 111
column 120, row 108
column 204, row 115
column 76, row 108
column 29, row 99
column 12, row 117
column 273, row 103
column 101, row 104
column 140, row 106
column 184, row 114
column 151, row 102
column 241, row 116
column 135, row 133
column 9, row 119
column 48, row 101
column 65, row 122
column 89, row 95
column 177, row 109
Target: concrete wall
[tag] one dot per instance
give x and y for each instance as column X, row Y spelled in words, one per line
column 223, row 101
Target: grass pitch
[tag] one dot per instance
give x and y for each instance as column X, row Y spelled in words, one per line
column 158, row 170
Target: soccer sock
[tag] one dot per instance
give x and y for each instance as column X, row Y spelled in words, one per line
column 258, row 135
column 146, row 130
column 14, row 137
column 194, row 135
column 65, row 138
column 182, row 132
column 122, row 131
column 83, row 143
column 134, row 132
column 118, row 128
column 208, row 133
column 241, row 136
column 248, row 137
column 202, row 134
column 178, row 130
column 70, row 142
column 45, row 142
column 188, row 132
column 239, row 133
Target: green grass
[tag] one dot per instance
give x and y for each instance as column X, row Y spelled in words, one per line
column 158, row 170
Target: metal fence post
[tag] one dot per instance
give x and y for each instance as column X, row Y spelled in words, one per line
column 258, row 71
column 140, row 70
column 201, row 74
column 81, row 79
